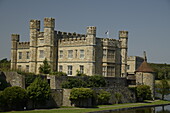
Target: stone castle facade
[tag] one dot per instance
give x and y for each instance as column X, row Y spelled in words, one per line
column 69, row 52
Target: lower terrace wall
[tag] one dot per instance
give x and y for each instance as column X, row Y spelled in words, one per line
column 13, row 78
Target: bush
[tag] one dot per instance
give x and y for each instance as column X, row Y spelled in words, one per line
column 2, row 101
column 74, row 83
column 45, row 68
column 81, row 96
column 3, row 84
column 15, row 98
column 118, row 97
column 58, row 73
column 103, row 97
column 80, row 74
column 143, row 92
column 39, row 91
column 96, row 81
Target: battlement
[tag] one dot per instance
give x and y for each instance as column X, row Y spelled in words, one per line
column 35, row 24
column 23, row 45
column 108, row 41
column 15, row 37
column 70, row 35
column 49, row 22
column 91, row 30
column 123, row 34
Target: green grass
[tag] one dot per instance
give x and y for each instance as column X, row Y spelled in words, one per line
column 101, row 107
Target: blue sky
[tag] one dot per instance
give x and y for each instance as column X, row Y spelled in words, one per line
column 148, row 22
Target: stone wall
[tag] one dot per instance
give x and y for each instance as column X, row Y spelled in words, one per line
column 13, row 78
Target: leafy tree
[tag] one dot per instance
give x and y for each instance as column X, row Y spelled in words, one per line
column 74, row 83
column 38, row 91
column 163, row 88
column 45, row 68
column 143, row 92
column 14, row 98
column 4, row 64
column 79, row 96
column 118, row 97
column 96, row 81
column 103, row 97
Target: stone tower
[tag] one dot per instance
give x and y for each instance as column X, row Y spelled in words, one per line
column 34, row 31
column 145, row 76
column 49, row 42
column 91, row 39
column 14, row 40
column 123, row 37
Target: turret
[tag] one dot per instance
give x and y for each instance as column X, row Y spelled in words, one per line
column 123, row 38
column 34, row 31
column 14, row 40
column 91, row 34
column 49, row 41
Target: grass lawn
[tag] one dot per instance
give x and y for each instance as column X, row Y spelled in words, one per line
column 101, row 107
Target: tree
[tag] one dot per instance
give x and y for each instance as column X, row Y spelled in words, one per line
column 103, row 97
column 96, row 81
column 74, row 83
column 163, row 88
column 143, row 92
column 80, row 96
column 4, row 64
column 45, row 68
column 38, row 91
column 14, row 98
column 118, row 97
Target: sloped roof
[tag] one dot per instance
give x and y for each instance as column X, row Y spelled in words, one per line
column 144, row 67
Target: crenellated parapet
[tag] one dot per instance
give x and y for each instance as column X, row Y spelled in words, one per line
column 69, row 35
column 23, row 45
column 109, row 42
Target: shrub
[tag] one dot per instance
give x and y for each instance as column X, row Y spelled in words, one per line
column 103, row 97
column 143, row 92
column 38, row 91
column 74, row 83
column 58, row 73
column 80, row 96
column 15, row 98
column 96, row 81
column 118, row 97
column 45, row 68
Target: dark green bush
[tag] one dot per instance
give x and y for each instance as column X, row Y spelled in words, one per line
column 96, row 81
column 15, row 98
column 143, row 92
column 103, row 97
column 74, row 83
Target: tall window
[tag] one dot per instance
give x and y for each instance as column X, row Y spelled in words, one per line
column 69, row 70
column 104, row 53
column 61, row 54
column 20, row 55
column 41, row 54
column 104, row 71
column 81, row 53
column 60, row 68
column 81, row 69
column 70, row 53
column 19, row 67
column 27, row 68
column 28, row 55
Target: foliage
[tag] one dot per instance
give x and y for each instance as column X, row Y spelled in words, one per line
column 163, row 88
column 4, row 64
column 38, row 91
column 74, row 83
column 103, row 97
column 58, row 73
column 96, row 81
column 118, row 97
column 3, row 84
column 143, row 92
column 45, row 68
column 14, row 98
column 81, row 95
column 162, row 71
column 80, row 74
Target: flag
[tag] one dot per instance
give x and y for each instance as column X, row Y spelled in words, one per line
column 107, row 32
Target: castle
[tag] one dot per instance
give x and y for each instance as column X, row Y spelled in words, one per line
column 69, row 52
